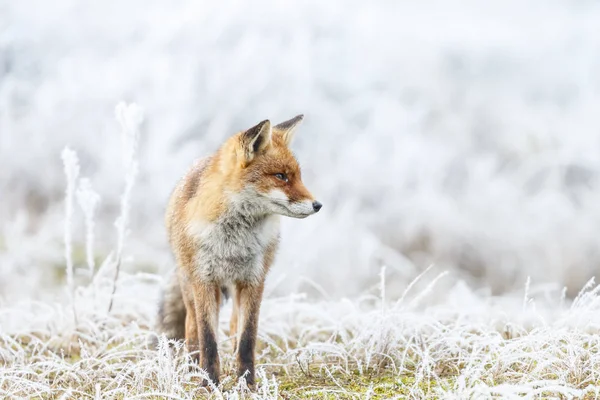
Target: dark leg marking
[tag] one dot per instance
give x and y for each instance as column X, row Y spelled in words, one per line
column 246, row 348
column 210, row 353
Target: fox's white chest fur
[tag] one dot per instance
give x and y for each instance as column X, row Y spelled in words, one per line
column 232, row 249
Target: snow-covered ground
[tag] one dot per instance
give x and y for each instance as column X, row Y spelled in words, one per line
column 458, row 136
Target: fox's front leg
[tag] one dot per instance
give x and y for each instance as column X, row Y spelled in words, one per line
column 206, row 298
column 191, row 331
column 249, row 298
column 191, row 326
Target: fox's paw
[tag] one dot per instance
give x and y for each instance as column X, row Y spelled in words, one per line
column 247, row 380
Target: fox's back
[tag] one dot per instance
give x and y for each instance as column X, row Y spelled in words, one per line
column 185, row 190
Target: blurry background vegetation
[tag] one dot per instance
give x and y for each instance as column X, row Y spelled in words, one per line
column 461, row 134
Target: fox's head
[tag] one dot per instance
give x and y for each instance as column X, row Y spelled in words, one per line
column 269, row 173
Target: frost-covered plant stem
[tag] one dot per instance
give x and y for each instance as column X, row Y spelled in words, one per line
column 130, row 118
column 382, row 288
column 71, row 166
column 88, row 201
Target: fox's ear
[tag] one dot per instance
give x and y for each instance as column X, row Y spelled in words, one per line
column 256, row 139
column 287, row 128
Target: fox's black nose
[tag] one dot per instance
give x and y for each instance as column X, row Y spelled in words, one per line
column 317, row 206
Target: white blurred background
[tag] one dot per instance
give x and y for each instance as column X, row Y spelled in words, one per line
column 462, row 134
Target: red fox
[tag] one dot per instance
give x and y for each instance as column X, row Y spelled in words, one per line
column 223, row 227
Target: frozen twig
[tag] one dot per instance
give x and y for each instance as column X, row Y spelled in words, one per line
column 130, row 118
column 71, row 167
column 88, row 201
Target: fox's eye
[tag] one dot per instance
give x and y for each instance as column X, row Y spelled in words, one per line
column 281, row 177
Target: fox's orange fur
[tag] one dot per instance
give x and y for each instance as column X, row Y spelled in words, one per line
column 223, row 226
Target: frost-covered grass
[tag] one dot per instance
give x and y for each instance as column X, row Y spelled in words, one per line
column 532, row 343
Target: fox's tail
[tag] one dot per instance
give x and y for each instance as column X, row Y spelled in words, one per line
column 171, row 310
